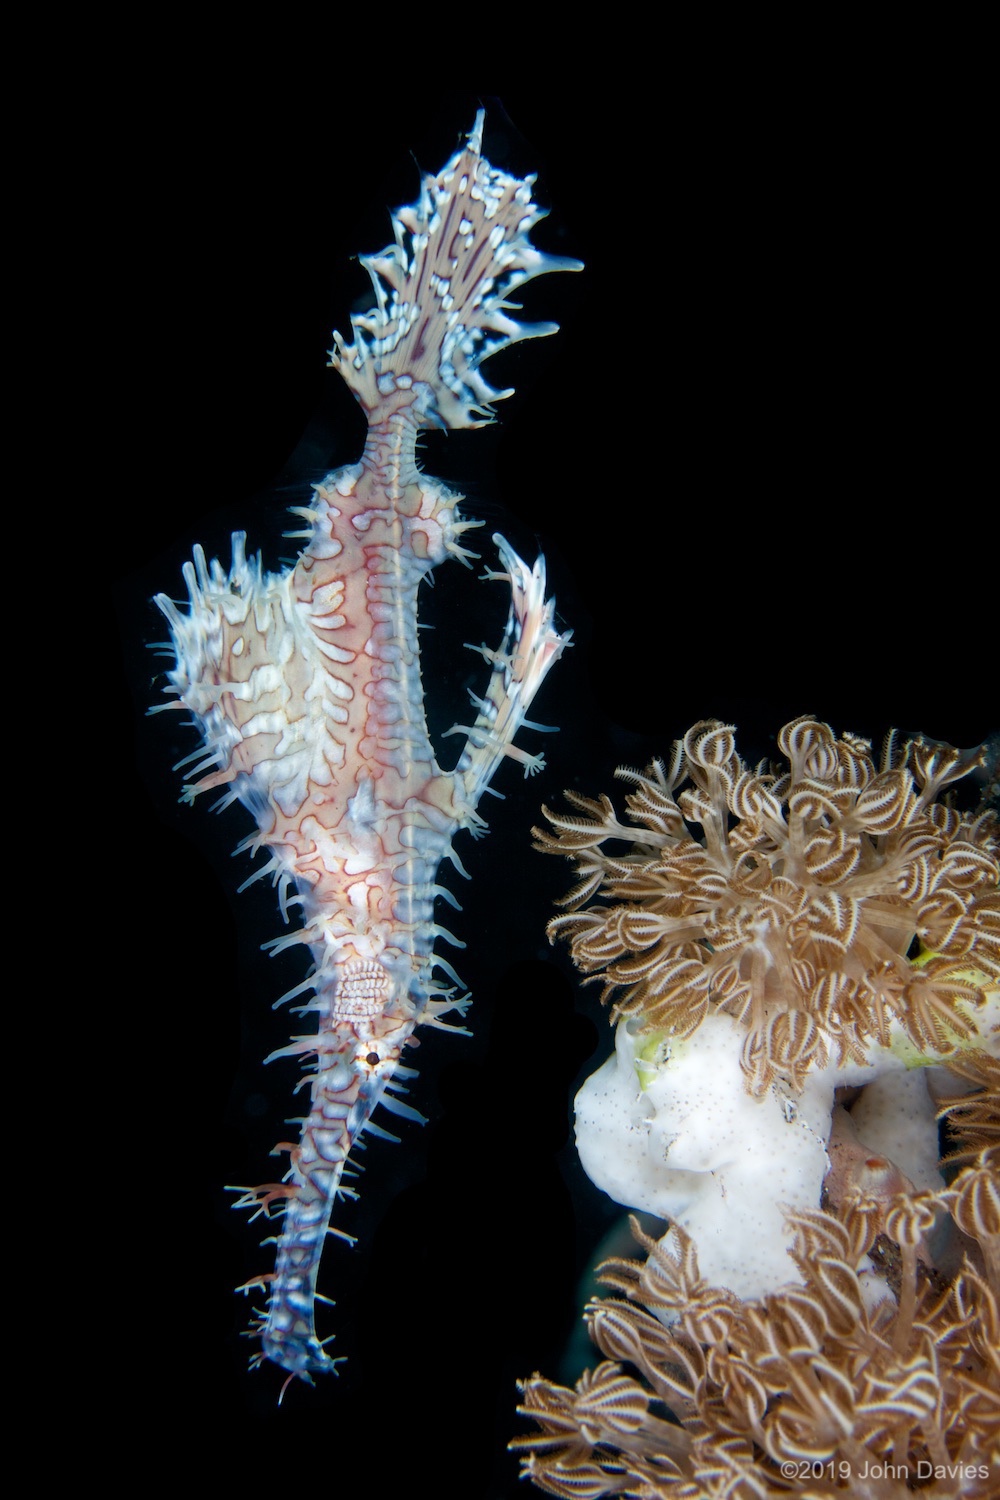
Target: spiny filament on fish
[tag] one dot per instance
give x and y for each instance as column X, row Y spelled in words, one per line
column 305, row 686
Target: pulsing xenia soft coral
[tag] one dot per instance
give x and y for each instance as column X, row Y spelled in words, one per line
column 835, row 928
column 813, row 1390
column 801, row 994
column 797, row 910
column 819, row 1389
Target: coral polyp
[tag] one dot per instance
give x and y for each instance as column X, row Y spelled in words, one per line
column 819, row 1389
column 823, row 901
column 802, row 993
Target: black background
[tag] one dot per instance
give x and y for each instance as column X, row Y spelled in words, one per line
column 754, row 458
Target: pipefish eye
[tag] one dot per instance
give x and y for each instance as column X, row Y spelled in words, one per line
column 373, row 1059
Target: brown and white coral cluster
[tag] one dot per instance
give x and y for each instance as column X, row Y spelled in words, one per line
column 800, row 992
column 796, row 910
column 814, row 1390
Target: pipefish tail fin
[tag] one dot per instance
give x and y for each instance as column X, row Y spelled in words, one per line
column 441, row 292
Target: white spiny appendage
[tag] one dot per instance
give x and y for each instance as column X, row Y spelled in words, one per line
column 530, row 646
column 305, row 686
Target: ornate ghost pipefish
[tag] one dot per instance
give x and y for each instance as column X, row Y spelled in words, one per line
column 305, row 686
